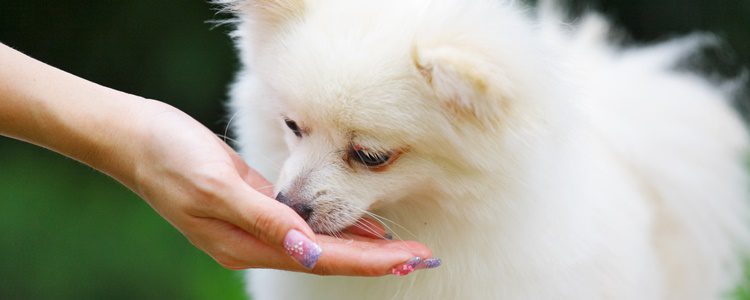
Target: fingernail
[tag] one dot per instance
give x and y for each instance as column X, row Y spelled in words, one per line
column 388, row 236
column 302, row 249
column 429, row 263
column 407, row 267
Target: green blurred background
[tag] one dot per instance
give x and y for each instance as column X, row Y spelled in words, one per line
column 68, row 232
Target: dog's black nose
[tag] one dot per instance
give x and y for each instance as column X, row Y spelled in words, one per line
column 303, row 210
column 282, row 198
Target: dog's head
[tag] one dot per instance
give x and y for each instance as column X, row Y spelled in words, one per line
column 381, row 101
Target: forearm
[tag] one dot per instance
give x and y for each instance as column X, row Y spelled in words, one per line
column 54, row 109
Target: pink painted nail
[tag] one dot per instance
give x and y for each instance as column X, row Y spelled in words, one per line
column 302, row 249
column 407, row 267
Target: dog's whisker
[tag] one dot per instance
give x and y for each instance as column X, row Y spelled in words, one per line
column 395, row 234
column 388, row 228
column 357, row 224
column 335, row 233
column 366, row 223
column 369, row 230
column 401, row 247
column 382, row 219
column 229, row 124
column 226, row 138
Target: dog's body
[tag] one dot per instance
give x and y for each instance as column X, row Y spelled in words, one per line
column 538, row 162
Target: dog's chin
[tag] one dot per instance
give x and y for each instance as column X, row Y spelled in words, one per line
column 332, row 225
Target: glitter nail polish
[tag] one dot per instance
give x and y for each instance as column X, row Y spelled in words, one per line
column 302, row 249
column 407, row 267
column 429, row 263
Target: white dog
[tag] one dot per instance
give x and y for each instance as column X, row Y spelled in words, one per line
column 535, row 159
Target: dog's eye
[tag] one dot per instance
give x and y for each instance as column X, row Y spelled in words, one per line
column 294, row 127
column 370, row 160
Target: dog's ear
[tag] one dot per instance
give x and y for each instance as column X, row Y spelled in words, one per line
column 466, row 84
column 267, row 15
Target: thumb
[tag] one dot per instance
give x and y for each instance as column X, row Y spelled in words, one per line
column 248, row 174
column 272, row 222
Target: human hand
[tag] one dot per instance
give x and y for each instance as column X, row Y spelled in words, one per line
column 193, row 179
column 204, row 189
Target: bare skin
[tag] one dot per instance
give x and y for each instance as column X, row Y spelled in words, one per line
column 188, row 175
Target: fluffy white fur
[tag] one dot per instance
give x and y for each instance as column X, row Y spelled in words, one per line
column 539, row 161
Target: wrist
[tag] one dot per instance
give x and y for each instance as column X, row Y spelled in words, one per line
column 138, row 145
column 112, row 137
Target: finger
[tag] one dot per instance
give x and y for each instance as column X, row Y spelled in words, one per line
column 270, row 221
column 230, row 245
column 236, row 249
column 415, row 248
column 368, row 227
column 366, row 258
column 250, row 208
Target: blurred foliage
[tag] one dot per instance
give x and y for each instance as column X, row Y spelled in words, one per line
column 68, row 232
column 645, row 21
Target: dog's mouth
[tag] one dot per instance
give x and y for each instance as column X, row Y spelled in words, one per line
column 332, row 219
column 324, row 215
column 329, row 214
column 366, row 225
